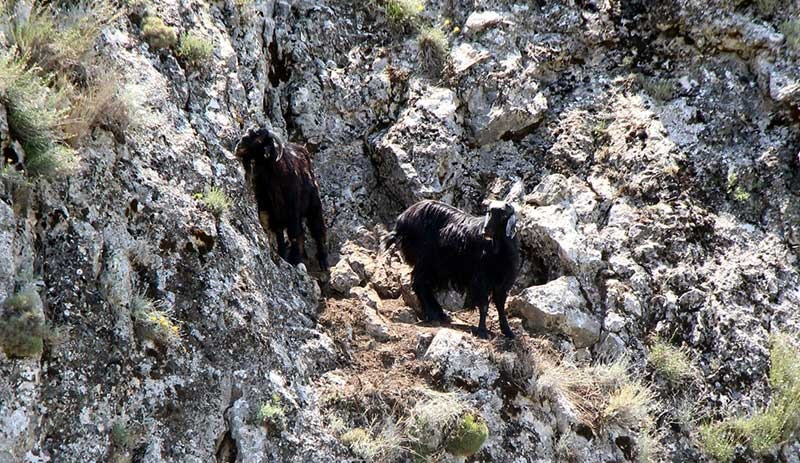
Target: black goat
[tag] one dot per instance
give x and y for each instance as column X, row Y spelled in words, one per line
column 448, row 248
column 286, row 192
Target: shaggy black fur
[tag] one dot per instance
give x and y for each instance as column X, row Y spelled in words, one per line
column 451, row 249
column 286, row 191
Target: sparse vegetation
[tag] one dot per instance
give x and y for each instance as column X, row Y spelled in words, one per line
column 433, row 49
column 765, row 428
column 735, row 190
column 215, row 200
column 194, row 49
column 469, row 436
column 121, row 436
column 670, row 362
column 154, row 323
column 766, row 8
column 50, row 83
column 717, row 442
column 22, row 326
column 658, row 88
column 157, row 34
column 791, row 30
column 36, row 114
column 385, row 445
column 403, row 13
column 271, row 415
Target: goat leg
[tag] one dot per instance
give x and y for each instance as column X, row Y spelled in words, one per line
column 316, row 225
column 500, row 303
column 481, row 331
column 295, row 232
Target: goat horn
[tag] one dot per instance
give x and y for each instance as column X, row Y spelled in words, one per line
column 276, row 140
column 511, row 226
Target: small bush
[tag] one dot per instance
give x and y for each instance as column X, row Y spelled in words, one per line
column 36, row 114
column 22, row 326
column 670, row 362
column 403, row 13
column 630, row 405
column 157, row 34
column 102, row 104
column 767, row 8
column 735, row 190
column 716, row 442
column 194, row 49
column 121, row 436
column 272, row 416
column 154, row 323
column 791, row 30
column 765, row 429
column 58, row 38
column 660, row 89
column 469, row 437
column 385, row 445
column 433, row 49
column 216, row 201
column 430, row 420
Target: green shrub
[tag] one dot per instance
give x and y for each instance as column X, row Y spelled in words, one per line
column 402, row 13
column 36, row 114
column 767, row 8
column 154, row 323
column 716, row 442
column 469, row 437
column 670, row 362
column 194, row 49
column 271, row 415
column 433, row 49
column 630, row 405
column 735, row 190
column 660, row 89
column 157, row 34
column 791, row 30
column 374, row 446
column 215, row 200
column 22, row 326
column 765, row 429
column 58, row 36
column 121, row 436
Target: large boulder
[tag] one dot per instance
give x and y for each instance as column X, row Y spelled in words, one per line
column 558, row 306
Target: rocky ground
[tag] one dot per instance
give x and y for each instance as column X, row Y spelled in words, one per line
column 651, row 152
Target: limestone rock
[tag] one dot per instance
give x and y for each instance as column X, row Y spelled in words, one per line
column 558, row 306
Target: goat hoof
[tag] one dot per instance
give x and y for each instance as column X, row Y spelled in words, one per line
column 482, row 333
column 443, row 318
column 509, row 334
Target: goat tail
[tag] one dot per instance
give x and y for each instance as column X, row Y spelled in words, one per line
column 389, row 241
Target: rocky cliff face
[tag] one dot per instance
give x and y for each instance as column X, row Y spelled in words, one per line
column 651, row 151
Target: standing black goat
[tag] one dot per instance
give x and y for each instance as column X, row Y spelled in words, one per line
column 448, row 248
column 286, row 192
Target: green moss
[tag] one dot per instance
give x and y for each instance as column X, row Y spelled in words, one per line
column 158, row 34
column 402, row 13
column 271, row 415
column 22, row 327
column 194, row 49
column 469, row 437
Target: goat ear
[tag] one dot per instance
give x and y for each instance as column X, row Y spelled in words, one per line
column 511, row 226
